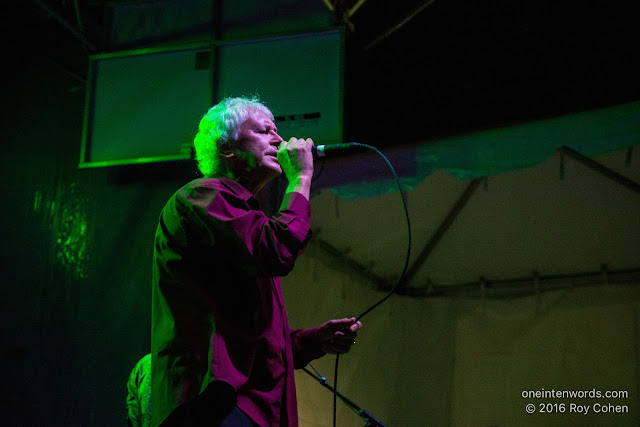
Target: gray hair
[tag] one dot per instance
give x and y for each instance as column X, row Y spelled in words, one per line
column 220, row 126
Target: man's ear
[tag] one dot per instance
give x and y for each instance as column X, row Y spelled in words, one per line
column 225, row 150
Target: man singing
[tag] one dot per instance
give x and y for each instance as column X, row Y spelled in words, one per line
column 222, row 350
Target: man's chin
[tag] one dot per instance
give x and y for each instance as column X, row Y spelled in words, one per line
column 275, row 173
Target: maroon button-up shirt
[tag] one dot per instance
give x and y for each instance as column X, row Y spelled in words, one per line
column 218, row 311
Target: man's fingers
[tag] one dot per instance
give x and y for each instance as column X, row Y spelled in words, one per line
column 341, row 335
column 299, row 142
column 357, row 325
column 342, row 324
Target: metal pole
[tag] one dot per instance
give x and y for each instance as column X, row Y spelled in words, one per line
column 442, row 229
column 66, row 25
column 603, row 170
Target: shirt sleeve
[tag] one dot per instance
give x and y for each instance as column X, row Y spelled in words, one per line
column 305, row 346
column 265, row 246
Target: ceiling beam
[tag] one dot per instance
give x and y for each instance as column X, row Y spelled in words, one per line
column 399, row 25
column 77, row 34
column 355, row 8
column 340, row 12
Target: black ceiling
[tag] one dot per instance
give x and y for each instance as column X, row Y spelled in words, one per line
column 462, row 65
column 418, row 72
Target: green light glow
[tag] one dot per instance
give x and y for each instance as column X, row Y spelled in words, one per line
column 71, row 249
column 65, row 216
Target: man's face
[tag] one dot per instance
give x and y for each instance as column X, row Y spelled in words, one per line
column 257, row 148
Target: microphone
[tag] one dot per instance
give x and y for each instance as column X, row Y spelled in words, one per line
column 336, row 150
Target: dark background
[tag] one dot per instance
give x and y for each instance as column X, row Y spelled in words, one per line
column 462, row 65
column 76, row 246
column 412, row 72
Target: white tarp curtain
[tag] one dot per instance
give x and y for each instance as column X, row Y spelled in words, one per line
column 495, row 151
column 462, row 361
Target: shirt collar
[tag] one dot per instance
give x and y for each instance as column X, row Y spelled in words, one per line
column 240, row 190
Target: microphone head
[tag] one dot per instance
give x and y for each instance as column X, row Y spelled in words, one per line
column 336, row 150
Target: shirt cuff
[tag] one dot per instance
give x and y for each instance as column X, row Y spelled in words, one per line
column 296, row 202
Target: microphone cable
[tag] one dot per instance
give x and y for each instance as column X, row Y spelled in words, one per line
column 404, row 270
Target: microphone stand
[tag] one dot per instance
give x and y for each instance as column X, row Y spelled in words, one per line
column 366, row 416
